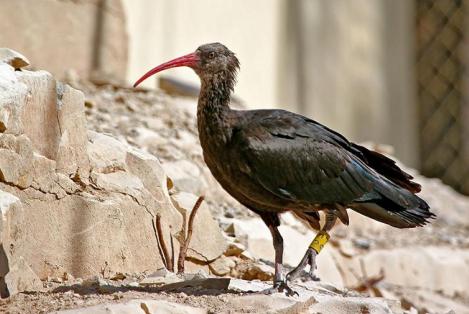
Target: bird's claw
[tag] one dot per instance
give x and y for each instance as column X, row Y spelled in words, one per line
column 309, row 276
column 308, row 259
column 281, row 286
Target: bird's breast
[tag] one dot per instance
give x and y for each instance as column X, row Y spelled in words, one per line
column 225, row 164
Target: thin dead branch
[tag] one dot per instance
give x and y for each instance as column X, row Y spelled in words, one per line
column 168, row 261
column 366, row 283
column 187, row 240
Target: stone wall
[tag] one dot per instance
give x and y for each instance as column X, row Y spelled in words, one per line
column 88, row 36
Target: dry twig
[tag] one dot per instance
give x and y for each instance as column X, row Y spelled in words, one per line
column 187, row 240
column 368, row 283
column 169, row 263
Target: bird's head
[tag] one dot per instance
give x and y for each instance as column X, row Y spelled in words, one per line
column 209, row 61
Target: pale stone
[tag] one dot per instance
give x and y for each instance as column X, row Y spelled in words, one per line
column 222, row 266
column 160, row 280
column 119, row 181
column 72, row 157
column 9, row 203
column 432, row 268
column 21, row 278
column 137, row 306
column 254, row 270
column 161, row 272
column 248, row 286
column 6, row 201
column 200, row 274
column 35, row 107
column 207, row 241
column 192, row 266
column 10, row 166
column 185, row 175
column 39, row 116
column 432, row 301
column 235, row 249
column 106, row 153
column 338, row 305
column 16, row 159
column 13, row 58
column 149, row 170
column 46, row 179
column 88, row 233
column 13, row 96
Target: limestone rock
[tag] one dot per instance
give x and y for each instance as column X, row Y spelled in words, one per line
column 16, row 160
column 160, row 280
column 250, row 271
column 151, row 173
column 106, row 153
column 21, row 278
column 336, row 305
column 222, row 266
column 416, row 267
column 137, row 306
column 49, row 114
column 13, row 95
column 13, row 58
column 119, row 181
column 92, row 233
column 185, row 175
column 207, row 241
column 47, row 180
column 6, row 202
column 9, row 204
column 235, row 249
column 72, row 158
column 39, row 116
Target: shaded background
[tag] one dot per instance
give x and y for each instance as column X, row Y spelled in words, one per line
column 387, row 71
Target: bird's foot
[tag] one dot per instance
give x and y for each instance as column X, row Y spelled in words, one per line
column 309, row 276
column 308, row 259
column 281, row 286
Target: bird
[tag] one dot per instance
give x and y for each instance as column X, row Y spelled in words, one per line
column 274, row 161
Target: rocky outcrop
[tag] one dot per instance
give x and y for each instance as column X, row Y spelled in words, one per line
column 75, row 201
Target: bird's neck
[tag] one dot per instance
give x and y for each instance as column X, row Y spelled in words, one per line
column 213, row 107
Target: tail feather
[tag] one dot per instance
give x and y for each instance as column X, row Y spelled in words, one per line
column 388, row 212
column 388, row 168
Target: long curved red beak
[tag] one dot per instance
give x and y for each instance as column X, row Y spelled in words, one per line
column 189, row 60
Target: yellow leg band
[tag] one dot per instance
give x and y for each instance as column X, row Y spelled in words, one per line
column 319, row 241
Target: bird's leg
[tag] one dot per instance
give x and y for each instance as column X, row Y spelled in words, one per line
column 278, row 247
column 280, row 284
column 313, row 250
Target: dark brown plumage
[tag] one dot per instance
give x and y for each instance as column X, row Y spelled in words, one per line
column 274, row 161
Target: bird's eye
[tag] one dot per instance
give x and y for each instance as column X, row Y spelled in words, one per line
column 211, row 55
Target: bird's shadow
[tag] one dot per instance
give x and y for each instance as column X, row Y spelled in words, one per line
column 188, row 289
